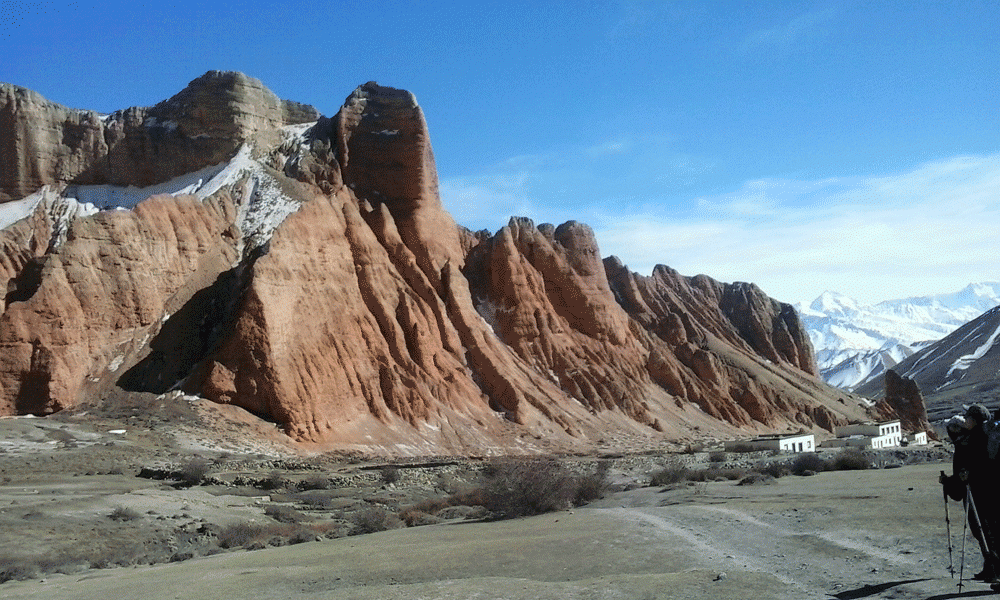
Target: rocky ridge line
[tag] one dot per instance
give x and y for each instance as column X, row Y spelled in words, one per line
column 358, row 314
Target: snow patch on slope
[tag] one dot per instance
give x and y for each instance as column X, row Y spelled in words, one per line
column 12, row 212
column 966, row 361
column 263, row 208
column 107, row 197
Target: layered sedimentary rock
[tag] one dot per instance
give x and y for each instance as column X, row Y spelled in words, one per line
column 317, row 281
column 738, row 354
column 77, row 312
column 43, row 143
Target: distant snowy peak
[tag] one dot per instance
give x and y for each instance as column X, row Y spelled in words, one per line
column 831, row 303
column 960, row 368
column 854, row 342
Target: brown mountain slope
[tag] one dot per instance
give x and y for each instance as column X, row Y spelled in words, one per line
column 321, row 284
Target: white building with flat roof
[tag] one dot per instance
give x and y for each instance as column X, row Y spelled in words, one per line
column 799, row 442
column 868, row 435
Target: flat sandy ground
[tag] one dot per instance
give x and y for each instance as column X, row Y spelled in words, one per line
column 846, row 535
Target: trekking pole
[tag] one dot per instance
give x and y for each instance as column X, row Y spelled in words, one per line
column 965, row 536
column 947, row 524
column 983, row 532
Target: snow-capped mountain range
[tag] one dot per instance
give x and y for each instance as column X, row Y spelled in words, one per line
column 854, row 342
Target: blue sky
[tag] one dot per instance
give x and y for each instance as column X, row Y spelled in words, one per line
column 803, row 146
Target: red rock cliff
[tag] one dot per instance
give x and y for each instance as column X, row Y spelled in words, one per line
column 318, row 282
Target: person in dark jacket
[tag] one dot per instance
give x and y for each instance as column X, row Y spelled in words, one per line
column 973, row 482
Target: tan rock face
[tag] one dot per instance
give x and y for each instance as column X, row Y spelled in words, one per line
column 368, row 319
column 740, row 356
column 95, row 299
column 47, row 144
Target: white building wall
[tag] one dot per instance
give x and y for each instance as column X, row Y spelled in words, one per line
column 870, row 429
column 798, row 443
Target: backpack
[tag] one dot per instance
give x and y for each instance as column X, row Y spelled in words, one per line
column 992, row 430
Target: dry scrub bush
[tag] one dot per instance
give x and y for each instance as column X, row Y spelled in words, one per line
column 851, row 459
column 284, row 514
column 808, row 464
column 773, row 469
column 121, row 513
column 314, row 482
column 253, row 536
column 390, row 474
column 372, row 519
column 755, row 477
column 673, row 473
column 238, row 535
column 412, row 517
column 716, row 474
column 519, row 488
column 193, row 472
column 274, row 481
column 17, row 569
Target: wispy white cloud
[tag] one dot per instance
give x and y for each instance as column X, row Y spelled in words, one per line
column 786, row 35
column 932, row 229
column 483, row 202
column 572, row 181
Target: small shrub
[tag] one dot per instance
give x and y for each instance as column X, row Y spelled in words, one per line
column 773, row 469
column 314, row 482
column 593, row 486
column 238, row 535
column 17, row 570
column 432, row 506
column 372, row 519
column 462, row 512
column 317, row 502
column 851, row 459
column 390, row 474
column 693, row 448
column 414, row 518
column 301, row 535
column 755, row 478
column 671, row 474
column 808, row 464
column 521, row 488
column 121, row 513
column 193, row 472
column 283, row 514
column 274, row 481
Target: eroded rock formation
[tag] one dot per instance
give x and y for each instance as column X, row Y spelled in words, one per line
column 43, row 143
column 317, row 281
column 903, row 396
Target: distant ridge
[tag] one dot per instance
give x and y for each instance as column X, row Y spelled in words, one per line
column 855, row 343
column 959, row 369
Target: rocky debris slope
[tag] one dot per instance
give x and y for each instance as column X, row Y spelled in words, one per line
column 308, row 273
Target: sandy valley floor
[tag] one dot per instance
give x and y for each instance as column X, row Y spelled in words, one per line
column 877, row 533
